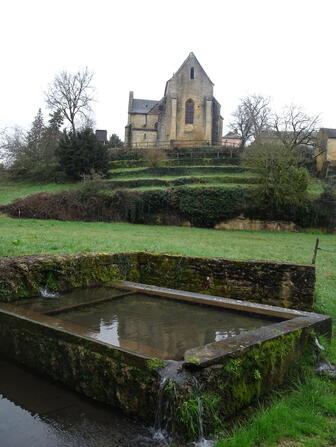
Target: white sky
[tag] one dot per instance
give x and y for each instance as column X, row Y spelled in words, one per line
column 284, row 49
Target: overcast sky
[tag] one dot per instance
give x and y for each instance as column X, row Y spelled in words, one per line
column 284, row 49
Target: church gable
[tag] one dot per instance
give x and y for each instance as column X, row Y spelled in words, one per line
column 190, row 79
column 193, row 69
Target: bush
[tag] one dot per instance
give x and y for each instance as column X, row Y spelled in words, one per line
column 205, row 207
column 283, row 183
column 154, row 157
column 81, row 154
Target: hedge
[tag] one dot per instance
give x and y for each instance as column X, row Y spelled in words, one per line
column 222, row 152
column 202, row 207
column 121, row 164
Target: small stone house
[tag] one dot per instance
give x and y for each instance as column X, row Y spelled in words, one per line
column 325, row 151
column 231, row 139
column 187, row 115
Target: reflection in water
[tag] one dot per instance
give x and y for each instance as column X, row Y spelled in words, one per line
column 37, row 413
column 160, row 327
column 46, row 303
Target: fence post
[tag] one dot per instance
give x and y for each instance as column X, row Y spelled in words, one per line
column 315, row 250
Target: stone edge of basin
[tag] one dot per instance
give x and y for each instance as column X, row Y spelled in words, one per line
column 68, row 329
column 212, row 353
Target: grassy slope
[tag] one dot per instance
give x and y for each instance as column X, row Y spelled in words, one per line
column 177, row 170
column 14, row 190
column 126, row 176
column 194, row 185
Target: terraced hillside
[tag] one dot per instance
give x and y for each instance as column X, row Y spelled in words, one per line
column 168, row 176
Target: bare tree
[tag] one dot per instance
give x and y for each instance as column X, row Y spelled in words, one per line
column 251, row 117
column 294, row 128
column 13, row 143
column 72, row 95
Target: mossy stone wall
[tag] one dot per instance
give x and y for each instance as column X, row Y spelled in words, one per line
column 274, row 283
column 96, row 370
column 227, row 387
column 24, row 276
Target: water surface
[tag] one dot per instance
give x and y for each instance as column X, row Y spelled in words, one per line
column 160, row 327
column 46, row 303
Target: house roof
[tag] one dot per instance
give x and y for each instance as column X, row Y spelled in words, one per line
column 330, row 132
column 101, row 135
column 232, row 135
column 142, row 105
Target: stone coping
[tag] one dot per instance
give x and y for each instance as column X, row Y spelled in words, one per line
column 213, row 353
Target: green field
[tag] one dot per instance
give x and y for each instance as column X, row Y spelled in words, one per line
column 10, row 191
column 300, row 417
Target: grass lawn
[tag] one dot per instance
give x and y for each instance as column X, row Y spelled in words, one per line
column 193, row 185
column 10, row 191
column 174, row 170
column 142, row 176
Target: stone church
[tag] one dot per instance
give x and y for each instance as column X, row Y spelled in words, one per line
column 187, row 115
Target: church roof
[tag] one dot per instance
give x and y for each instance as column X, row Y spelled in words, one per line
column 155, row 110
column 142, row 105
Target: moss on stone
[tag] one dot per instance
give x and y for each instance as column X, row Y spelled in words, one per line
column 155, row 364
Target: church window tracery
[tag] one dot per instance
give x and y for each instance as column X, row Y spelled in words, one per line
column 192, row 73
column 189, row 112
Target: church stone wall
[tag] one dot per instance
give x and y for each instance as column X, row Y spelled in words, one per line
column 143, row 137
column 138, row 120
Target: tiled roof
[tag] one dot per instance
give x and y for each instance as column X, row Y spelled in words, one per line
column 142, row 105
column 232, row 135
column 101, row 135
column 330, row 132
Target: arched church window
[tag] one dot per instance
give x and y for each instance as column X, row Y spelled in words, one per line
column 192, row 73
column 189, row 111
column 155, row 125
column 145, row 136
